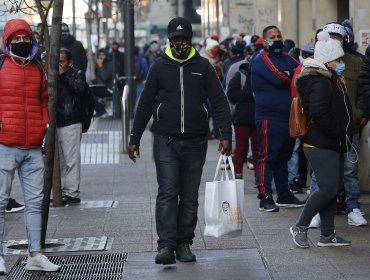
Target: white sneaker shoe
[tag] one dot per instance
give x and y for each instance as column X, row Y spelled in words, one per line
column 40, row 262
column 2, row 266
column 315, row 222
column 355, row 218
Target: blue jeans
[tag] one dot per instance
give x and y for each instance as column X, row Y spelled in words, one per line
column 179, row 165
column 351, row 181
column 293, row 162
column 313, row 185
column 30, row 165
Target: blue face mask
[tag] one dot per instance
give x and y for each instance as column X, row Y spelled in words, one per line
column 339, row 69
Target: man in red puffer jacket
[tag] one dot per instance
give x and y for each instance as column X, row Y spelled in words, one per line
column 24, row 119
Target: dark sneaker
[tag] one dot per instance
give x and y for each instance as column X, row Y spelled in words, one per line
column 13, row 206
column 70, row 200
column 332, row 241
column 290, row 201
column 295, row 186
column 267, row 204
column 165, row 256
column 299, row 234
column 184, row 254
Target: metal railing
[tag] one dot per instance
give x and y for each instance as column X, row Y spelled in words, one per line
column 125, row 119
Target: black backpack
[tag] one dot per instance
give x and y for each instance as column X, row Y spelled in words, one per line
column 88, row 108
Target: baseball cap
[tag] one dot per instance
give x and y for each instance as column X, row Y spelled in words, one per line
column 335, row 28
column 179, row 26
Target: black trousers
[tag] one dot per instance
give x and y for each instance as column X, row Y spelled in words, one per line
column 179, row 164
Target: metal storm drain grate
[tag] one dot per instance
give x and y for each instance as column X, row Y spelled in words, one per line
column 77, row 267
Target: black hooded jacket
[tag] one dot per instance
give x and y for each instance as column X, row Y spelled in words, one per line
column 78, row 52
column 328, row 109
column 176, row 95
column 71, row 89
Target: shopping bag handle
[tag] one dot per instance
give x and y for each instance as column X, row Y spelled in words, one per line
column 224, row 159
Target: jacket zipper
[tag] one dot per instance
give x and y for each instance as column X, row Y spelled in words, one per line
column 159, row 106
column 182, row 99
column 205, row 108
column 182, row 93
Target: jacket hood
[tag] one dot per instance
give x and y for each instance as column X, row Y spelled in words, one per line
column 312, row 67
column 67, row 39
column 15, row 25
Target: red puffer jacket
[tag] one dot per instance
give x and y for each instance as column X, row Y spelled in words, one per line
column 23, row 96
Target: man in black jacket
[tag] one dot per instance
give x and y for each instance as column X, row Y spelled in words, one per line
column 176, row 92
column 71, row 88
column 75, row 47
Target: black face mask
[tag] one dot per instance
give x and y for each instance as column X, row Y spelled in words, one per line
column 22, row 49
column 180, row 50
column 275, row 46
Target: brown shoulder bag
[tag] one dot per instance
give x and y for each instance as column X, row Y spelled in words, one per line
column 298, row 123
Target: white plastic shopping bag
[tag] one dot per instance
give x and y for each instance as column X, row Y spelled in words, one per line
column 223, row 206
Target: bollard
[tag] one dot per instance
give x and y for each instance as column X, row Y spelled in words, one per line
column 125, row 119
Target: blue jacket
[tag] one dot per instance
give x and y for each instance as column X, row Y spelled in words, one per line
column 272, row 88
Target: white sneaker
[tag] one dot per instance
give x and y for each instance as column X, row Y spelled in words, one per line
column 315, row 222
column 40, row 262
column 2, row 266
column 355, row 218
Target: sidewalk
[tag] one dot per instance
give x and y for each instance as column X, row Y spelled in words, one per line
column 264, row 251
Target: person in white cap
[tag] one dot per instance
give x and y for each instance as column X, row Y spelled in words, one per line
column 351, row 181
column 328, row 108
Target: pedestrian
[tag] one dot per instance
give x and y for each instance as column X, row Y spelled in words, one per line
column 71, row 90
column 351, row 182
column 68, row 41
column 141, row 72
column 103, row 77
column 176, row 93
column 271, row 73
column 240, row 94
column 327, row 106
column 25, row 118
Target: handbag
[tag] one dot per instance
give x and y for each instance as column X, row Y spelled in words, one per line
column 298, row 123
column 223, row 205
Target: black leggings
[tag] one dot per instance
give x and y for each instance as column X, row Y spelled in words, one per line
column 328, row 168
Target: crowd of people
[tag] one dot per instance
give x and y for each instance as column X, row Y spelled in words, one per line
column 237, row 89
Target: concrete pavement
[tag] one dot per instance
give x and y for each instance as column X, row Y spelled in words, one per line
column 264, row 251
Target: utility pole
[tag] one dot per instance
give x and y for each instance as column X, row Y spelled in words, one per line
column 128, row 13
column 74, row 18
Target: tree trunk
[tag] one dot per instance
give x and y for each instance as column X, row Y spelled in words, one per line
column 90, row 55
column 53, row 59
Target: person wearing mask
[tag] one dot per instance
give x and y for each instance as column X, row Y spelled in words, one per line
column 69, row 42
column 271, row 73
column 23, row 124
column 327, row 106
column 351, row 70
column 71, row 89
column 176, row 92
column 235, row 54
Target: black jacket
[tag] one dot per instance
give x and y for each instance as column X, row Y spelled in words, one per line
column 241, row 96
column 71, row 88
column 78, row 52
column 364, row 80
column 176, row 95
column 330, row 117
column 104, row 74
